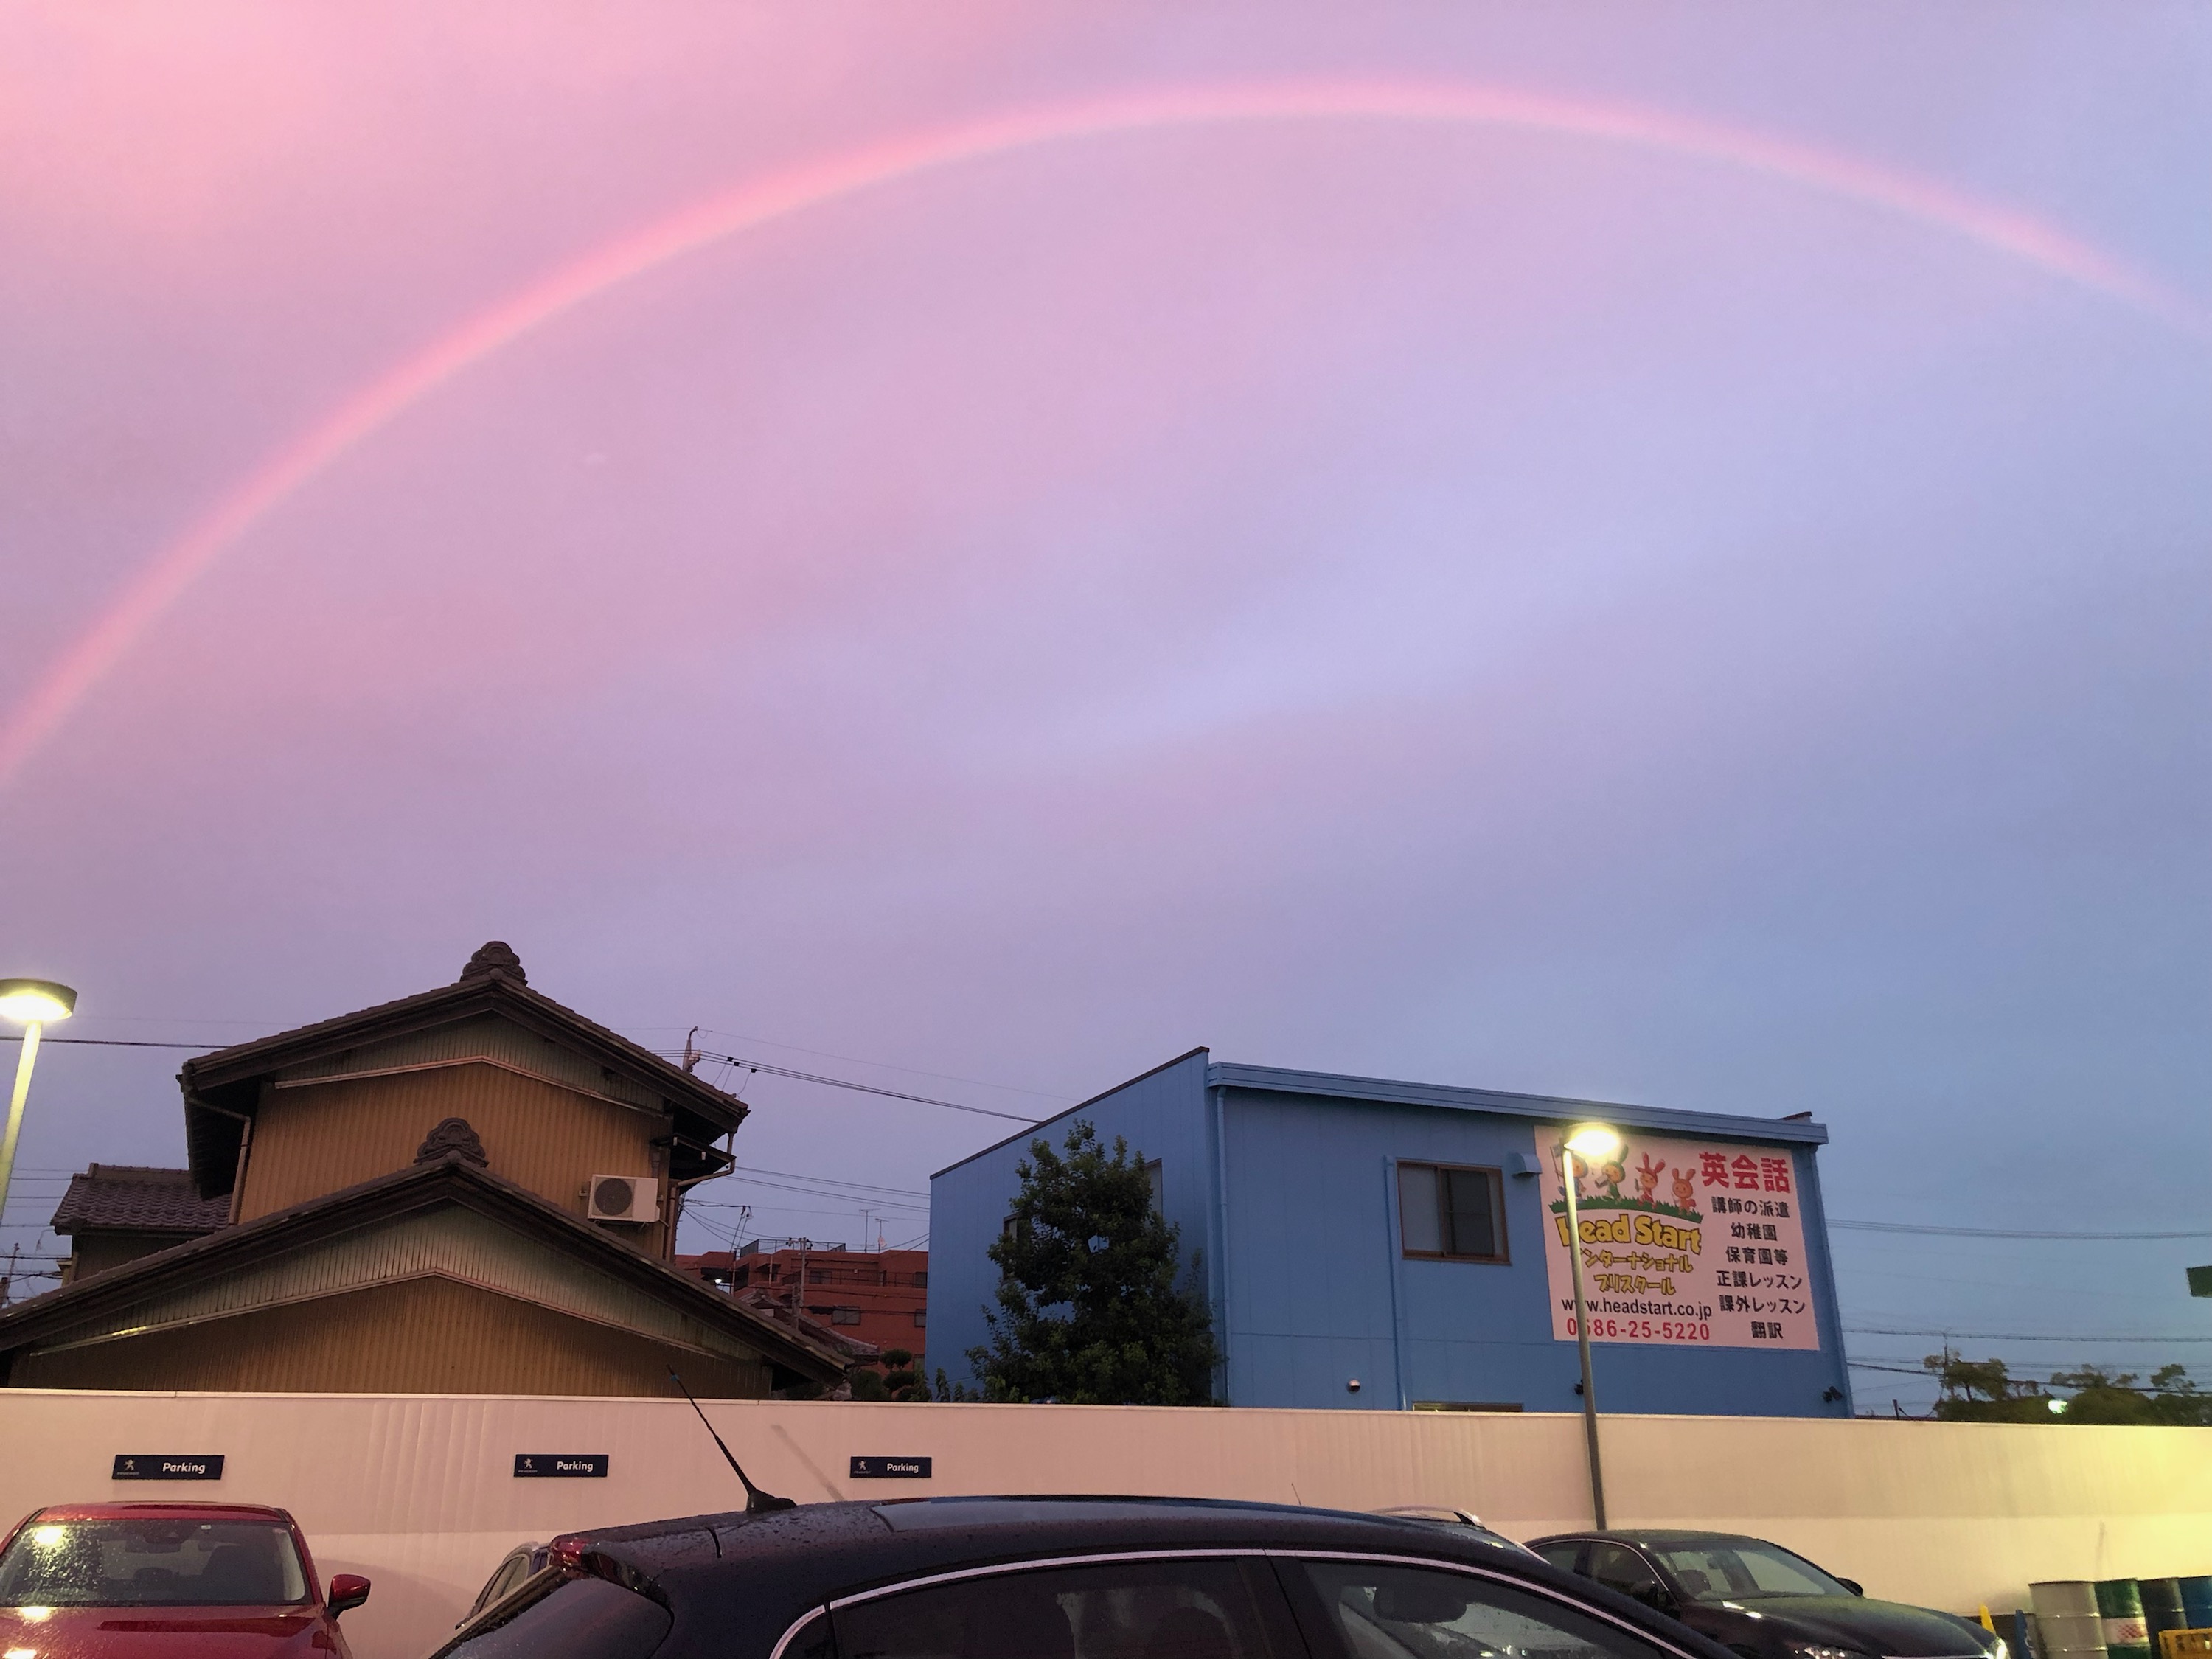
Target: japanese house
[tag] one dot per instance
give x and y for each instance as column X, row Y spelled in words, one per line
column 469, row 1190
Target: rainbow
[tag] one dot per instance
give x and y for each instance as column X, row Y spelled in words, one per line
column 155, row 584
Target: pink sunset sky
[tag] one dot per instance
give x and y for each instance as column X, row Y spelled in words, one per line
column 1659, row 554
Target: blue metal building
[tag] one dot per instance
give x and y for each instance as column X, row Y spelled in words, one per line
column 1376, row 1244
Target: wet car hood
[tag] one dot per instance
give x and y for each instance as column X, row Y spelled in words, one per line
column 168, row 1632
column 1857, row 1622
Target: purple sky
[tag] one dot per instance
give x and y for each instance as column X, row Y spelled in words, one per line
column 1469, row 602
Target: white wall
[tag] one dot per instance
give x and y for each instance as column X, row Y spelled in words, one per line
column 418, row 1491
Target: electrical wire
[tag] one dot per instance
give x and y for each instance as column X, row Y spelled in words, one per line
column 1893, row 1370
column 817, row 1192
column 828, row 1180
column 117, row 1042
column 888, row 1066
column 1998, row 1232
column 665, row 1054
column 2007, row 1336
column 765, row 1069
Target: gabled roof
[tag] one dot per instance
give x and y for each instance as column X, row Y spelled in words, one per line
column 1798, row 1129
column 133, row 1199
column 449, row 1181
column 223, row 1089
column 1549, row 1109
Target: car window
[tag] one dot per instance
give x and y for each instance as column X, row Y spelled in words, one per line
column 503, row 1580
column 575, row 1619
column 152, row 1562
column 1377, row 1611
column 1731, row 1569
column 1563, row 1554
column 1174, row 1609
column 1619, row 1568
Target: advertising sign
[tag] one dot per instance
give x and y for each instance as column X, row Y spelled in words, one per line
column 1692, row 1243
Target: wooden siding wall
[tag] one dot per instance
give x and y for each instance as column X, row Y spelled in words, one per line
column 318, row 1138
column 93, row 1253
column 420, row 1336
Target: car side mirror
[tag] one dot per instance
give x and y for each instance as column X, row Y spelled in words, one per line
column 1853, row 1585
column 348, row 1590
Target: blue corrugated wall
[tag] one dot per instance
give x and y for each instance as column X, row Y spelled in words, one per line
column 1303, row 1267
column 1163, row 1113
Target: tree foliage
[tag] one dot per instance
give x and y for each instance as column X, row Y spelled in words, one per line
column 899, row 1379
column 1984, row 1391
column 1093, row 1306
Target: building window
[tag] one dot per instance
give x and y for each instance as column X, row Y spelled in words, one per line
column 1158, row 1182
column 920, row 1316
column 1450, row 1212
column 921, row 1279
column 844, row 1316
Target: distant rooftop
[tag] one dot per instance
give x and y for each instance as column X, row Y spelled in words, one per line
column 132, row 1198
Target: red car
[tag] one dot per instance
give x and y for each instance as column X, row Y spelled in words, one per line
column 167, row 1581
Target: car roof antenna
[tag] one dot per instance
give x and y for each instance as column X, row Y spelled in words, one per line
column 757, row 1501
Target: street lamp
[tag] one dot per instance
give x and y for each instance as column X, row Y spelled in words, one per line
column 36, row 1003
column 1594, row 1144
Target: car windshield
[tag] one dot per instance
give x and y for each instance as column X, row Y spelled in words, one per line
column 1733, row 1569
column 151, row 1563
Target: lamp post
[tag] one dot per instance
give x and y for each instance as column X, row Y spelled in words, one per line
column 1594, row 1143
column 36, row 1003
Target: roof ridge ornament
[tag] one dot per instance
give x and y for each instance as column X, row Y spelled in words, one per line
column 453, row 1136
column 495, row 956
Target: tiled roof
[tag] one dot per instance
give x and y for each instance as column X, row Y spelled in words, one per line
column 131, row 1198
column 798, row 1345
column 852, row 1347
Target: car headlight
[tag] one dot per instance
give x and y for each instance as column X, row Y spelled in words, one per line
column 2000, row 1651
column 1809, row 1650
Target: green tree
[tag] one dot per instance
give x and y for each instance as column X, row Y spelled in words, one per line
column 902, row 1381
column 1090, row 1311
column 1982, row 1391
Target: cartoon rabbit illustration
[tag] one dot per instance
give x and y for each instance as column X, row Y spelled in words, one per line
column 1647, row 1179
column 1685, row 1190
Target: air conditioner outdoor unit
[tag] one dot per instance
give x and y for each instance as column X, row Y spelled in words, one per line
column 622, row 1198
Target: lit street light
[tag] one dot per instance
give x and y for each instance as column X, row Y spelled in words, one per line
column 36, row 1003
column 1594, row 1144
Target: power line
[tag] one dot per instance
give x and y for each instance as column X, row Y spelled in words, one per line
column 828, row 1180
column 856, row 1199
column 119, row 1043
column 1996, row 1232
column 2007, row 1336
column 890, row 1066
column 762, row 1066
column 727, row 1060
